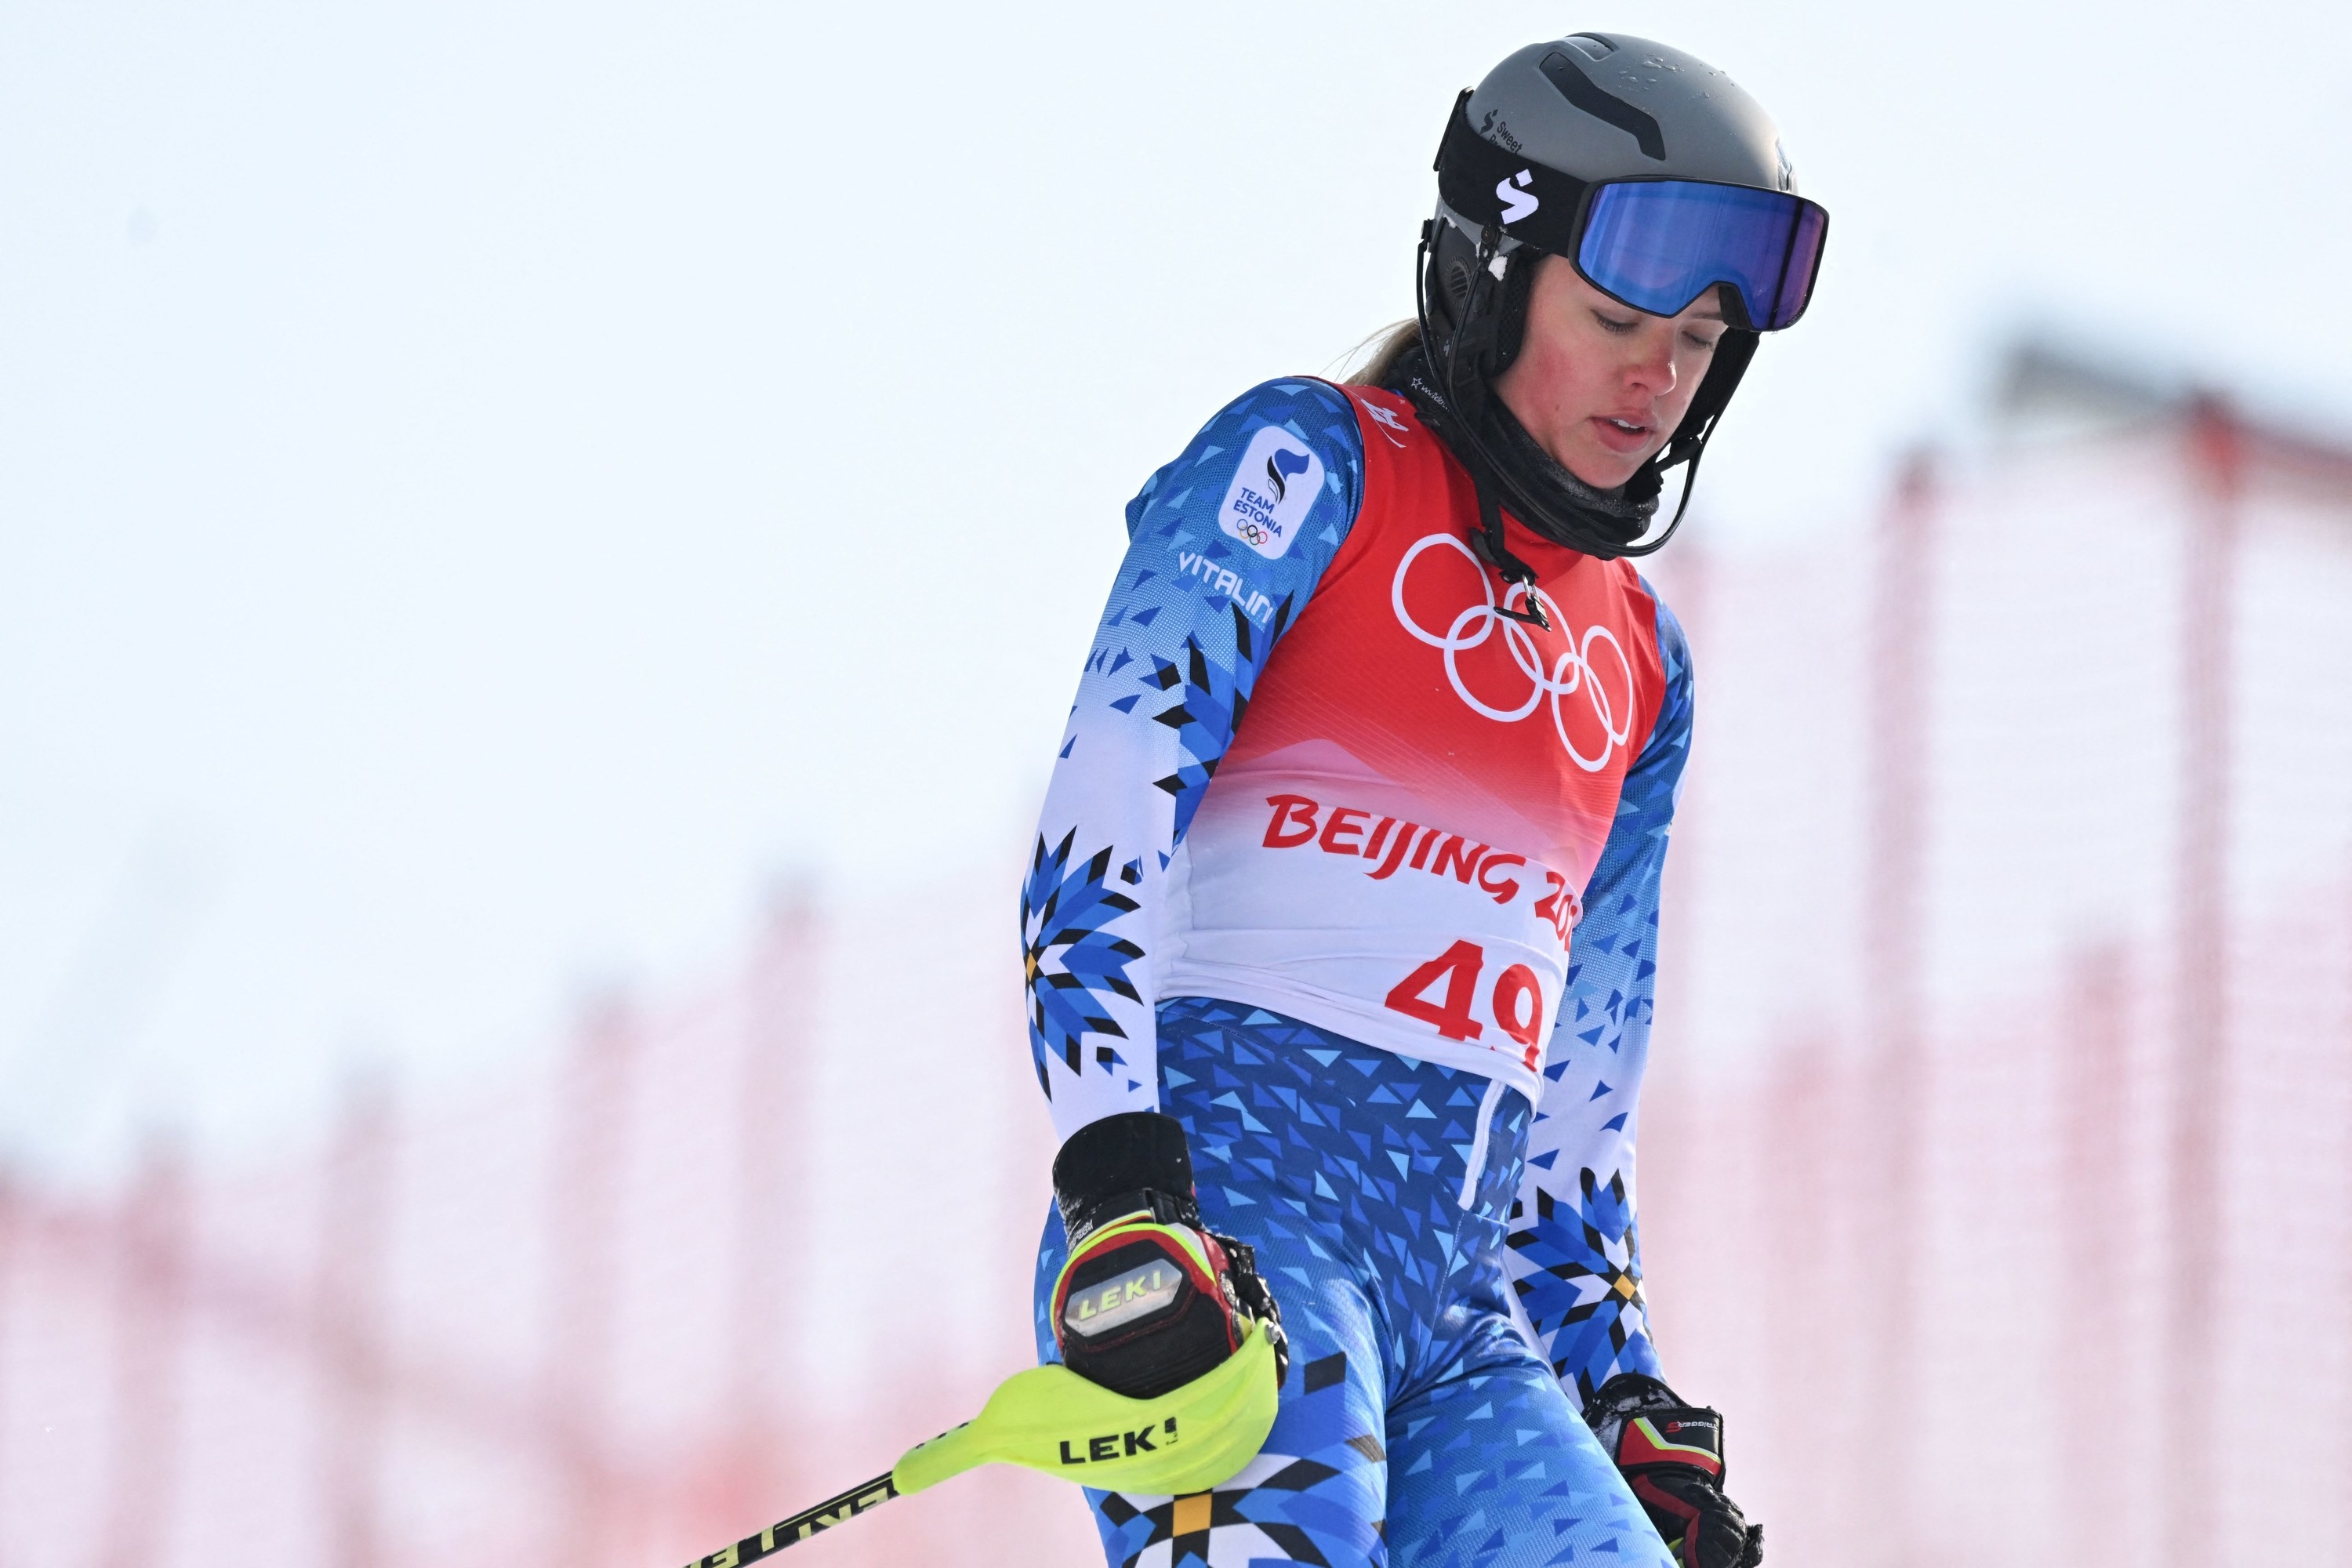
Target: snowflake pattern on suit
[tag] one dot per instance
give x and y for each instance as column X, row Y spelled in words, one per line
column 1574, row 1250
column 1192, row 619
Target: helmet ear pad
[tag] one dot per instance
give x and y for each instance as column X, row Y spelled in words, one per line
column 1467, row 305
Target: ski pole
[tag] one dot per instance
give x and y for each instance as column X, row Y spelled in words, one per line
column 832, row 1511
column 1049, row 1418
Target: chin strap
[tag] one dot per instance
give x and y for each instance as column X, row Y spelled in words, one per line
column 1732, row 354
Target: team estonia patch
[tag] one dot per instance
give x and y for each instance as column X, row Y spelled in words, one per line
column 1272, row 493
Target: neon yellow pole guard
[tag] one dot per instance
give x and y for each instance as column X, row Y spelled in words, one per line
column 1050, row 1419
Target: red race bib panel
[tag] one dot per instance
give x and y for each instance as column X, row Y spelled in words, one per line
column 1396, row 844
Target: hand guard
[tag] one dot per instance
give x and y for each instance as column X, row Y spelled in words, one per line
column 1672, row 1455
column 1149, row 1299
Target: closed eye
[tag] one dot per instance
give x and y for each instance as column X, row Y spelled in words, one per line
column 1612, row 323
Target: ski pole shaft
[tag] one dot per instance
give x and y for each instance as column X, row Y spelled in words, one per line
column 832, row 1511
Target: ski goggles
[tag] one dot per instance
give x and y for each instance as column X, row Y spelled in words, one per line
column 1655, row 243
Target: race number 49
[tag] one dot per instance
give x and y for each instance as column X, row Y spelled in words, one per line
column 1443, row 992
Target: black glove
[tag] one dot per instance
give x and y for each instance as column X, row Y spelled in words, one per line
column 1150, row 1298
column 1672, row 1455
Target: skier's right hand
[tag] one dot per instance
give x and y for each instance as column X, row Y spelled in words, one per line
column 1150, row 1298
column 1671, row 1453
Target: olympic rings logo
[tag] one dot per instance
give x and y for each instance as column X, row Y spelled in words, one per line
column 1572, row 674
column 1251, row 532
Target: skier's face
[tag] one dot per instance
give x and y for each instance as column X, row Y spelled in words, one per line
column 1600, row 386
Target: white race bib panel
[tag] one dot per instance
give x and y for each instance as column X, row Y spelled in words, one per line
column 1458, row 946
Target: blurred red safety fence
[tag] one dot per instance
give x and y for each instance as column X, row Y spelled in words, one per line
column 1996, row 1176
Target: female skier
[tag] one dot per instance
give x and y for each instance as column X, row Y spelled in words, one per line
column 1340, row 927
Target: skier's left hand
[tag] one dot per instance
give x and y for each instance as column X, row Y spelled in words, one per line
column 1150, row 1298
column 1671, row 1453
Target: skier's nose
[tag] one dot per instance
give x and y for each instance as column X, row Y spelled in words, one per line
column 1653, row 366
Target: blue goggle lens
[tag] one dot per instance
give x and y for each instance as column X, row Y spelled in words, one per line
column 1658, row 245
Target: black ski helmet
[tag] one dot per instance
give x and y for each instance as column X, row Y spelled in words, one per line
column 1526, row 156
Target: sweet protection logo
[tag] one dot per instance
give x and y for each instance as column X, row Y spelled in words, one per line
column 1513, row 194
column 1273, row 489
column 1589, row 682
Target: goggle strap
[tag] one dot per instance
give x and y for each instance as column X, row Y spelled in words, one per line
column 1472, row 173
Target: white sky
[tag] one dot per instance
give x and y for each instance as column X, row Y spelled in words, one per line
column 481, row 489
